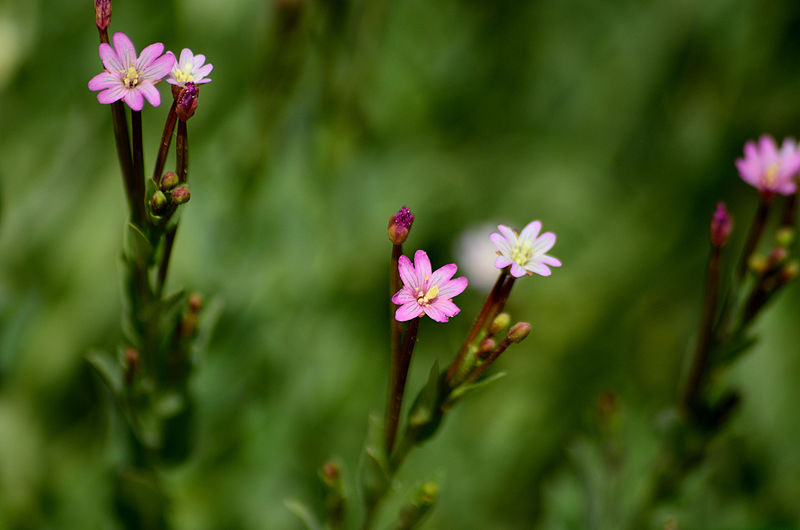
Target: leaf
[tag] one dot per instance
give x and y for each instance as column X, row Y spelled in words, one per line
column 138, row 248
column 427, row 411
column 302, row 512
column 375, row 474
column 463, row 390
column 108, row 369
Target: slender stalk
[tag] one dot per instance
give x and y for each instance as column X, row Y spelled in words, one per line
column 699, row 367
column 182, row 156
column 488, row 362
column 166, row 140
column 491, row 301
column 398, row 382
column 394, row 327
column 754, row 236
column 123, row 143
column 137, row 176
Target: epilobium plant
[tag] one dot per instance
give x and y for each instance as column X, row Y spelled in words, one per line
column 149, row 377
column 422, row 293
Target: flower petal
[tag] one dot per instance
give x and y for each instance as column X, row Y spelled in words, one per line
column 423, row 267
column 550, row 260
column 407, row 312
column 134, row 99
column 509, row 234
column 104, row 80
column 446, row 306
column 543, row 243
column 186, row 57
column 769, row 149
column 148, row 55
column 125, row 50
column 407, row 273
column 403, row 296
column 502, row 262
column 204, row 71
column 111, row 95
column 443, row 274
column 501, row 243
column 158, row 68
column 150, row 93
column 517, row 271
column 531, row 231
column 110, row 58
column 538, row 267
column 198, row 61
column 452, row 288
column 435, row 312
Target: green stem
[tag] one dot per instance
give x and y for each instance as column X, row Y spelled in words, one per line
column 754, row 236
column 137, row 176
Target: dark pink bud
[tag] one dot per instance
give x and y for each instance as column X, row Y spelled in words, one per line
column 131, row 364
column 180, row 195
column 721, row 226
column 399, row 225
column 187, row 101
column 519, row 331
column 102, row 13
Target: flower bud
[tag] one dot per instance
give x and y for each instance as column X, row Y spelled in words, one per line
column 777, row 256
column 500, row 323
column 329, row 473
column 180, row 195
column 187, row 101
column 486, row 347
column 102, row 14
column 169, row 181
column 789, row 272
column 519, row 331
column 399, row 225
column 159, row 202
column 131, row 360
column 195, row 302
column 721, row 226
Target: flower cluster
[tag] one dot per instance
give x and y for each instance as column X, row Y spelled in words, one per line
column 769, row 169
column 132, row 78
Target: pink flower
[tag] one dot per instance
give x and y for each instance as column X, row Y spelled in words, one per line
column 525, row 252
column 128, row 77
column 768, row 169
column 189, row 69
column 427, row 293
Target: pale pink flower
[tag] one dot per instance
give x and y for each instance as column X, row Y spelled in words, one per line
column 189, row 68
column 769, row 169
column 427, row 293
column 525, row 253
column 128, row 77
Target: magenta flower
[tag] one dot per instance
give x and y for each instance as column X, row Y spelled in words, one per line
column 769, row 169
column 427, row 293
column 128, row 77
column 525, row 252
column 189, row 68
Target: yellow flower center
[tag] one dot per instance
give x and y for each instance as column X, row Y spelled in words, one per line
column 770, row 175
column 426, row 298
column 522, row 252
column 184, row 75
column 131, row 78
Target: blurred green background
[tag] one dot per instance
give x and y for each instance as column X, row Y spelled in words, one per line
column 615, row 123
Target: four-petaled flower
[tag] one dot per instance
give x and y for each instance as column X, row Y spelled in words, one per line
column 769, row 169
column 525, row 252
column 128, row 77
column 427, row 293
column 189, row 68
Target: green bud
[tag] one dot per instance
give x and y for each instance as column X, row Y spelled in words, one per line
column 195, row 302
column 180, row 195
column 169, row 181
column 784, row 236
column 519, row 331
column 159, row 202
column 758, row 264
column 329, row 473
column 789, row 271
column 501, row 322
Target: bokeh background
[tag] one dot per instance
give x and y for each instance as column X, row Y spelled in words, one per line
column 615, row 123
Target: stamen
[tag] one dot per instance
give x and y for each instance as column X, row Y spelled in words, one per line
column 131, row 78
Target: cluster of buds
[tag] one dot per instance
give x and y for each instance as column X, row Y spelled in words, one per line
column 169, row 195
